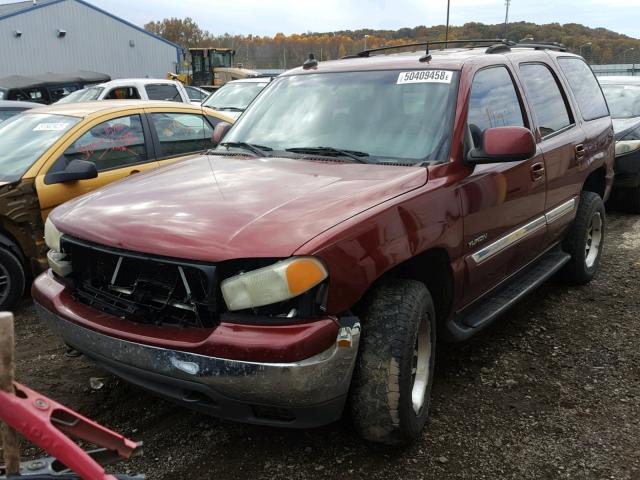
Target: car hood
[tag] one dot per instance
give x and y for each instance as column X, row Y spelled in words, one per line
column 623, row 126
column 215, row 208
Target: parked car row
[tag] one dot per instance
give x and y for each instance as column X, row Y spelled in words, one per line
column 356, row 210
column 623, row 96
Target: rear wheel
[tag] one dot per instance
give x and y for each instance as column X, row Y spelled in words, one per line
column 392, row 383
column 12, row 279
column 585, row 240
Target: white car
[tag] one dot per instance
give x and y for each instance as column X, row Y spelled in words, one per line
column 131, row 89
column 234, row 97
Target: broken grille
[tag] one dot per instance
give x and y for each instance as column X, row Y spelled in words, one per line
column 143, row 288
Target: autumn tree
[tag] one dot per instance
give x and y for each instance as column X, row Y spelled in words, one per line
column 184, row 32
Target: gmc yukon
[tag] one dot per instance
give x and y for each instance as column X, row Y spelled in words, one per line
column 358, row 207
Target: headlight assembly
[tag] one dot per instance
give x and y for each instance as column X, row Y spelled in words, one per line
column 56, row 259
column 52, row 235
column 624, row 147
column 275, row 283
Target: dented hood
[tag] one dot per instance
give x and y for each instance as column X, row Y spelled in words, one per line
column 215, row 208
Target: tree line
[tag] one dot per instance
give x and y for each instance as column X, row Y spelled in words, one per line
column 597, row 45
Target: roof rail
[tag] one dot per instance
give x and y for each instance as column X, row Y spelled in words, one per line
column 542, row 46
column 476, row 43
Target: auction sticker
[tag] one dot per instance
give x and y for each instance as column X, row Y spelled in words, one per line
column 425, row 76
column 50, row 127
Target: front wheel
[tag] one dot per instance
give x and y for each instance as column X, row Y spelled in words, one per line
column 585, row 240
column 12, row 280
column 392, row 382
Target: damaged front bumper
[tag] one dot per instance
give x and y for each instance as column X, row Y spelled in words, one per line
column 301, row 394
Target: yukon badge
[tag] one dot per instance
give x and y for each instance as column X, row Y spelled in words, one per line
column 478, row 240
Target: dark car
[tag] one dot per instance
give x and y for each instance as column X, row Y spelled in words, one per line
column 48, row 87
column 9, row 108
column 623, row 96
column 356, row 208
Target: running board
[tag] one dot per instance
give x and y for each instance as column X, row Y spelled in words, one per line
column 483, row 312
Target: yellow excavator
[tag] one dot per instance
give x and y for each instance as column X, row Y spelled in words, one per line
column 211, row 68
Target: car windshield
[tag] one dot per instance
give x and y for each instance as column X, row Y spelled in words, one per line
column 623, row 100
column 84, row 95
column 381, row 116
column 25, row 137
column 234, row 96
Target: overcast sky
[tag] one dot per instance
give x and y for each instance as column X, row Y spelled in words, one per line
column 267, row 17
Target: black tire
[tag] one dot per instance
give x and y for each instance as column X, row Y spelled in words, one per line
column 12, row 280
column 581, row 240
column 381, row 395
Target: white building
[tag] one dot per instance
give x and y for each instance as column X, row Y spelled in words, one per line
column 69, row 35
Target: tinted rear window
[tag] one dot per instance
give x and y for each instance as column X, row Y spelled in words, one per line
column 585, row 87
column 545, row 97
column 163, row 92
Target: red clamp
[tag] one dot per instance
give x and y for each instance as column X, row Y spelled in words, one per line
column 46, row 423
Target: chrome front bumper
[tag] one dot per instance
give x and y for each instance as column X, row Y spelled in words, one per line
column 227, row 388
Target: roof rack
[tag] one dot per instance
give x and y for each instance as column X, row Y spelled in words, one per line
column 542, row 46
column 476, row 43
column 495, row 45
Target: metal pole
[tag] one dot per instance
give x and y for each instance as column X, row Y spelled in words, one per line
column 10, row 440
column 446, row 32
column 506, row 18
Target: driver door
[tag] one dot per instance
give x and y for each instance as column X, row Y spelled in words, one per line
column 118, row 147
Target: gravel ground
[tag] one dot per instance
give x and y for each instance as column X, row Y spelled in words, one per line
column 552, row 390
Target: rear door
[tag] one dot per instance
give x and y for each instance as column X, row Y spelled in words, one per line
column 118, row 146
column 561, row 140
column 503, row 203
column 179, row 133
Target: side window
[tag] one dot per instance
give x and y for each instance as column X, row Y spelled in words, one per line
column 57, row 93
column 123, row 93
column 181, row 133
column 585, row 87
column 544, row 94
column 493, row 103
column 112, row 144
column 163, row 92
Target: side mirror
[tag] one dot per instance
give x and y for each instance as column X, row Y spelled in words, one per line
column 219, row 132
column 75, row 170
column 504, row 144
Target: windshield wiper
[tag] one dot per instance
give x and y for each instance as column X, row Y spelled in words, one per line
column 331, row 152
column 231, row 109
column 258, row 150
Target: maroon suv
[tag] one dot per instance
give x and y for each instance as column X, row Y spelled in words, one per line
column 356, row 208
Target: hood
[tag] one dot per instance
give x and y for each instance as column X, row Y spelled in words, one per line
column 623, row 126
column 215, row 208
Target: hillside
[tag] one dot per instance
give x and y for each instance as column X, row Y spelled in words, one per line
column 286, row 51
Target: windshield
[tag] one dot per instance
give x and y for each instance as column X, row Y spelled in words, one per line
column 6, row 114
column 234, row 96
column 84, row 95
column 24, row 138
column 400, row 116
column 623, row 100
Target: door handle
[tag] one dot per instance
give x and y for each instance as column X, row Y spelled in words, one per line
column 580, row 151
column 537, row 171
column 134, row 171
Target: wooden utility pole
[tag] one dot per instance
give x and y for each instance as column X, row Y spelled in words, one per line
column 10, row 440
column 506, row 18
column 446, row 32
